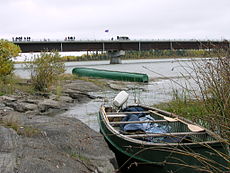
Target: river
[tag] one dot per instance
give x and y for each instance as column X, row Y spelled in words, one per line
column 164, row 75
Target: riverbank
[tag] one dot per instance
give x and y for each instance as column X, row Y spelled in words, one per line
column 34, row 138
column 73, row 59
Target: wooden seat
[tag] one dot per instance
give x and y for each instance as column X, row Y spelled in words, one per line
column 116, row 116
column 114, row 113
column 136, row 122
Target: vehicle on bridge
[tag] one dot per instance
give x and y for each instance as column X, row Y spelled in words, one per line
column 122, row 38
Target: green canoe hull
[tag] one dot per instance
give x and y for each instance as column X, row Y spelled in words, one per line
column 160, row 158
column 113, row 75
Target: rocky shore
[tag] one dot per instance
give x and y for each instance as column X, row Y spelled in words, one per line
column 35, row 139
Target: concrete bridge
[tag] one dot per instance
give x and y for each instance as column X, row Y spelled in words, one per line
column 116, row 48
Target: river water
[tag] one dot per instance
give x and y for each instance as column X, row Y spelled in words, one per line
column 165, row 75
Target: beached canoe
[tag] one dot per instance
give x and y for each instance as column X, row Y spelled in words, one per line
column 113, row 75
column 147, row 139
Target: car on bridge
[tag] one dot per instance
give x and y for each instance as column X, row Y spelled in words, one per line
column 122, row 38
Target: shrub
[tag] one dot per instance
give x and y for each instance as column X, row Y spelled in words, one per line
column 45, row 69
column 8, row 51
column 213, row 78
column 209, row 101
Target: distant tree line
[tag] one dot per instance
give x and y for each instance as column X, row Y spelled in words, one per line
column 146, row 55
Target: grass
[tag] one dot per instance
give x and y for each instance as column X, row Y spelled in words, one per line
column 209, row 104
column 97, row 82
column 23, row 130
column 13, row 84
column 197, row 110
column 188, row 108
column 28, row 131
column 80, row 157
column 65, row 76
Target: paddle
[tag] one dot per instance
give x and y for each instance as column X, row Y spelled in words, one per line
column 192, row 127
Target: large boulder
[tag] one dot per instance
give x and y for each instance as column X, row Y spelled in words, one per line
column 46, row 104
column 55, row 145
column 83, row 86
column 79, row 96
column 9, row 145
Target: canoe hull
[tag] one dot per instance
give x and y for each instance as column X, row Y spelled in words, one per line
column 113, row 75
column 161, row 158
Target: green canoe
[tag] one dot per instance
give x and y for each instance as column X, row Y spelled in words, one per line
column 114, row 75
column 197, row 150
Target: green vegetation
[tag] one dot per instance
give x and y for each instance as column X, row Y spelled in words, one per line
column 168, row 54
column 150, row 54
column 80, row 157
column 28, row 131
column 84, row 57
column 185, row 106
column 209, row 105
column 7, row 52
column 45, row 70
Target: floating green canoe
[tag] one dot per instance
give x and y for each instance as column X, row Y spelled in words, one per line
column 114, row 75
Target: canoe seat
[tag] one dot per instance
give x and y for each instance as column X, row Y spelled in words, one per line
column 116, row 115
column 136, row 122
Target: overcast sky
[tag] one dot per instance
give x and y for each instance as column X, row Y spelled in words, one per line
column 138, row 19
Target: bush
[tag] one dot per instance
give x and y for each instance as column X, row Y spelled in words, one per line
column 213, row 78
column 8, row 51
column 45, row 69
column 209, row 103
column 210, row 106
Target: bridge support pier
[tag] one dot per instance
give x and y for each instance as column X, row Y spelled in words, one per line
column 115, row 56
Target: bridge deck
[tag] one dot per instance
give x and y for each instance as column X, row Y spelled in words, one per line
column 111, row 45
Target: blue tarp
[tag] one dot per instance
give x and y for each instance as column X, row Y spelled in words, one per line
column 132, row 117
column 147, row 127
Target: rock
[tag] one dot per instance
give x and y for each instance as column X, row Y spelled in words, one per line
column 4, row 110
column 8, row 99
column 2, row 105
column 9, row 144
column 7, row 162
column 32, row 101
column 29, row 106
column 16, row 106
column 118, row 87
column 51, row 144
column 63, row 98
column 79, row 96
column 21, row 106
column 63, row 145
column 66, row 99
column 8, row 139
column 46, row 104
column 83, row 86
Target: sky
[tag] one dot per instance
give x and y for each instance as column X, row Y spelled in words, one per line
column 137, row 19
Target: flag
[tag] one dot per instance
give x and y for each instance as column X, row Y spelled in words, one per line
column 106, row 30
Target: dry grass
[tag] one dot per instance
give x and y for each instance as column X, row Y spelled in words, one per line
column 209, row 105
column 13, row 122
